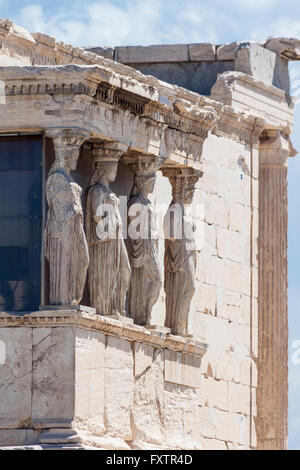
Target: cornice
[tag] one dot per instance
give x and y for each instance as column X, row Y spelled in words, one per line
column 88, row 320
column 48, row 55
column 164, row 104
column 248, row 97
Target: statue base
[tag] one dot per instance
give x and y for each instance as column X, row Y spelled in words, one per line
column 78, row 373
column 122, row 318
column 159, row 329
column 78, row 308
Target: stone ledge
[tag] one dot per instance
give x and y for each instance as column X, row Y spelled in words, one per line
column 165, row 53
column 156, row 54
column 108, row 326
column 85, row 80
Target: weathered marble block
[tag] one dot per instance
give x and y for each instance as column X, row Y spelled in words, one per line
column 148, row 393
column 15, row 377
column 119, row 387
column 53, row 376
column 50, row 377
column 182, row 369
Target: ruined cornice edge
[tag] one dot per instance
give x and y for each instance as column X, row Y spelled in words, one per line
column 86, row 80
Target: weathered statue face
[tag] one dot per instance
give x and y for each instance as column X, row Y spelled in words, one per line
column 112, row 172
column 71, row 162
column 149, row 184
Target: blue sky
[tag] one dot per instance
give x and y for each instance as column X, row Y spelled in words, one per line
column 144, row 22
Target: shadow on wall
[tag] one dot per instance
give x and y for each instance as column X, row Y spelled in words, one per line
column 195, row 76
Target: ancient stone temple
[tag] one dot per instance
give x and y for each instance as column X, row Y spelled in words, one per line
column 143, row 244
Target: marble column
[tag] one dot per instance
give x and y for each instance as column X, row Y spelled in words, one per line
column 272, row 392
column 109, row 271
column 180, row 249
column 142, row 240
column 65, row 243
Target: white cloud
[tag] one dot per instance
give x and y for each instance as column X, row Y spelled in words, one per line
column 282, row 27
column 134, row 22
column 131, row 22
column 99, row 23
column 258, row 4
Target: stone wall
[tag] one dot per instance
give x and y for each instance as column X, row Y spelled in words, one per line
column 196, row 66
column 117, row 394
column 66, row 384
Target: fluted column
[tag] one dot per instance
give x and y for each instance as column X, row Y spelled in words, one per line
column 272, row 393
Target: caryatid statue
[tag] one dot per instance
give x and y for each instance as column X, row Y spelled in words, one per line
column 109, row 272
column 180, row 249
column 142, row 240
column 65, row 243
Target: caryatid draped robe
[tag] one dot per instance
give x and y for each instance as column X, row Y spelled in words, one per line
column 146, row 279
column 180, row 273
column 65, row 243
column 109, row 272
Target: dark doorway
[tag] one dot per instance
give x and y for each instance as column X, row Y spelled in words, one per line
column 21, row 173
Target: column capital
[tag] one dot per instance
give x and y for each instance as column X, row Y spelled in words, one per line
column 108, row 152
column 177, row 172
column 66, row 143
column 275, row 148
column 183, row 180
column 67, row 137
column 143, row 165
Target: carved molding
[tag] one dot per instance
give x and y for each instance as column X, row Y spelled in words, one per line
column 275, row 148
column 93, row 322
column 186, row 112
column 110, row 151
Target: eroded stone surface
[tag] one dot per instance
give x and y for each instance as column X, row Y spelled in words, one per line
column 182, row 369
column 181, row 421
column 15, row 379
column 148, row 404
column 89, row 379
column 256, row 61
column 119, row 388
column 53, row 369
